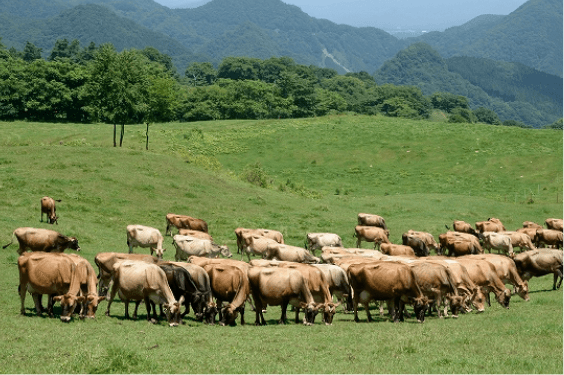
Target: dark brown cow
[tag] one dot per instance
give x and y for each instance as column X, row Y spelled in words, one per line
column 389, row 281
column 427, row 238
column 371, row 234
column 184, row 222
column 372, row 220
column 550, row 237
column 48, row 208
column 556, row 224
column 540, row 262
column 37, row 239
column 417, row 244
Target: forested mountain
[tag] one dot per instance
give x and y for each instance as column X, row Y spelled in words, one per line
column 531, row 35
column 512, row 90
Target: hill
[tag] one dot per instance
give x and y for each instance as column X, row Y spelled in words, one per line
column 531, row 35
column 512, row 90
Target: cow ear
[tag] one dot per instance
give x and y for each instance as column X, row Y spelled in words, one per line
column 303, row 305
column 80, row 299
column 58, row 298
column 181, row 300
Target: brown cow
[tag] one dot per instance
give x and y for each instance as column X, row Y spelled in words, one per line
column 531, row 224
column 106, row 261
column 463, row 227
column 372, row 220
column 186, row 222
column 390, row 281
column 48, row 208
column 289, row 253
column 280, row 286
column 51, row 274
column 37, row 239
column 332, row 254
column 268, row 233
column 256, row 245
column 529, row 231
column 556, row 224
column 520, row 240
column 458, row 243
column 491, row 225
column 550, row 237
column 195, row 233
column 371, row 234
column 540, row 262
column 397, row 250
column 88, row 288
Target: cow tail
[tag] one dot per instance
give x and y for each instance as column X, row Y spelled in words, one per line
column 11, row 242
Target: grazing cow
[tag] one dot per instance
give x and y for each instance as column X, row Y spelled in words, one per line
column 289, row 253
column 397, row 250
column 520, row 240
column 458, row 243
column 88, row 288
column 316, row 241
column 184, row 222
column 494, row 240
column 371, row 234
column 255, row 245
column 389, row 281
column 417, row 244
column 556, row 224
column 372, row 220
column 463, row 283
column 339, row 285
column 485, row 276
column 37, row 239
column 48, row 208
column 331, row 254
column 491, row 225
column 531, row 224
column 141, row 281
column 463, row 227
column 142, row 236
column 52, row 274
column 549, row 237
column 181, row 284
column 195, row 233
column 229, row 283
column 529, row 231
column 202, row 303
column 280, row 286
column 540, row 262
column 187, row 246
column 507, row 272
column 106, row 261
column 268, row 233
column 427, row 238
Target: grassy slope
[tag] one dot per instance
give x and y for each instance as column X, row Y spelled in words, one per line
column 442, row 178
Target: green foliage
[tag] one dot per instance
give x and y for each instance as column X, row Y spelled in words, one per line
column 462, row 115
column 555, row 125
column 487, row 116
column 31, row 52
column 256, row 175
column 447, row 102
column 201, row 74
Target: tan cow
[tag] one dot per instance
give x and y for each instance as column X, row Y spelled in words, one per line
column 281, row 286
column 520, row 240
column 195, row 233
column 463, row 227
column 106, row 261
column 397, row 250
column 187, row 246
column 507, row 272
column 389, row 281
column 500, row 242
column 141, row 281
column 289, row 253
column 371, row 234
column 38, row 239
column 484, row 275
column 556, row 224
column 491, row 225
column 549, row 237
column 143, row 236
column 231, row 284
column 458, row 243
column 268, row 233
column 184, row 222
column 255, row 245
column 531, row 224
column 48, row 208
column 372, row 220
column 529, row 231
column 88, row 288
column 427, row 238
column 540, row 262
column 339, row 285
column 316, row 241
column 52, row 274
column 331, row 254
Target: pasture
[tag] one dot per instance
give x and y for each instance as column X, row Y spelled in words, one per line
column 316, row 175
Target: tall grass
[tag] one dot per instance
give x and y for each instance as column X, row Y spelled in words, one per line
column 319, row 174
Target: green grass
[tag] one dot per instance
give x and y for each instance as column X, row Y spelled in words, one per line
column 320, row 173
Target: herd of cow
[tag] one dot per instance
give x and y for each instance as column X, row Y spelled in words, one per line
column 288, row 275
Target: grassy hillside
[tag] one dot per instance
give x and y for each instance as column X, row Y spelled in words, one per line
column 319, row 174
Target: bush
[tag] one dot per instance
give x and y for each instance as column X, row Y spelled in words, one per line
column 256, row 175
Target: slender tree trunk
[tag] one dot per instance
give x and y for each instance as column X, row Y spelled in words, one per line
column 115, row 144
column 121, row 134
column 147, row 133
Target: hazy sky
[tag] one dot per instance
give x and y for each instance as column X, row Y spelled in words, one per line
column 393, row 14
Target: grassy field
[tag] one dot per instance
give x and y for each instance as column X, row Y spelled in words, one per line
column 317, row 175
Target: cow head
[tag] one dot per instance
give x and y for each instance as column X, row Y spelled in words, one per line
column 310, row 309
column 53, row 219
column 523, row 290
column 503, row 298
column 329, row 310
column 456, row 303
column 225, row 252
column 68, row 304
column 90, row 305
column 229, row 314
column 420, row 305
column 172, row 311
column 478, row 300
column 73, row 243
column 158, row 252
column 209, row 313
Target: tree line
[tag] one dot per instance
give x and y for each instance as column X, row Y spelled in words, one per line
column 99, row 84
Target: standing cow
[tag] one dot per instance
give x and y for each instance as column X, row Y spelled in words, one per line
column 142, row 236
column 38, row 239
column 48, row 208
column 319, row 240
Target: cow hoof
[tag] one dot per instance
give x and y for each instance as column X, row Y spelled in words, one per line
column 154, row 321
column 455, row 316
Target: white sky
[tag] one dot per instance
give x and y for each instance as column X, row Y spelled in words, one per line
column 426, row 15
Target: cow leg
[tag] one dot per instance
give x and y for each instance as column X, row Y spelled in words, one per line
column 557, row 274
column 366, row 307
column 358, row 242
column 37, row 301
column 399, row 306
column 297, row 315
column 111, row 298
column 148, row 304
column 487, row 295
column 126, row 303
column 355, row 307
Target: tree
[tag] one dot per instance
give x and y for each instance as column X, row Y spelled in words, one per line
column 60, row 49
column 201, row 74
column 239, row 68
column 446, row 101
column 487, row 116
column 31, row 52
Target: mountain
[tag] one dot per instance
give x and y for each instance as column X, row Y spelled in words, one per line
column 512, row 90
column 531, row 35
